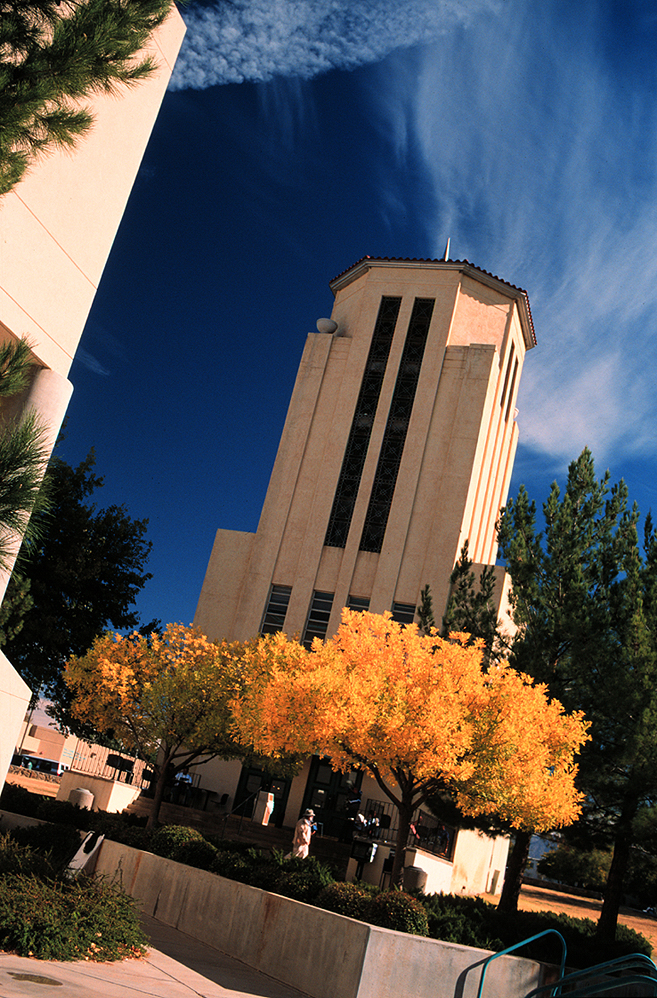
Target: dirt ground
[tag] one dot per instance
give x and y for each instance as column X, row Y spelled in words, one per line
column 542, row 899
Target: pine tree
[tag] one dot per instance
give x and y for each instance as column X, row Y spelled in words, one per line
column 53, row 55
column 584, row 601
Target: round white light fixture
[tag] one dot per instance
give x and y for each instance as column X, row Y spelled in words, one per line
column 326, row 326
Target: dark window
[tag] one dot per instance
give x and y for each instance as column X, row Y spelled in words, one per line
column 511, row 389
column 506, row 376
column 403, row 613
column 360, row 603
column 318, row 617
column 399, row 417
column 277, row 604
column 361, row 427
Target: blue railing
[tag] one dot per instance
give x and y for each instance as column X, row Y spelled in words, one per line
column 523, row 942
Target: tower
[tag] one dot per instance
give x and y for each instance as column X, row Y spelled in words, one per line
column 398, row 446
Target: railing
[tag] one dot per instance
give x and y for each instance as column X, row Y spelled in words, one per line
column 524, row 942
column 588, row 981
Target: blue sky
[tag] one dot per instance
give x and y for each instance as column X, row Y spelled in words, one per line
column 298, row 136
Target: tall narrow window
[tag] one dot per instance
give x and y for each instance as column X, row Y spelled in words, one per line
column 396, row 429
column 506, row 376
column 361, row 427
column 274, row 616
column 511, row 390
column 403, row 613
column 318, row 617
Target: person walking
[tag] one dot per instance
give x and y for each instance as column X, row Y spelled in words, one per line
column 303, row 832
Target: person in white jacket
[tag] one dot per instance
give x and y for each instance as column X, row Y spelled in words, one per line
column 303, row 832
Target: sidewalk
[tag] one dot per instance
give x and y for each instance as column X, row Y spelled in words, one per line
column 180, row 967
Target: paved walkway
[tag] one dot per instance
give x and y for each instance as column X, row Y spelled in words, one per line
column 180, row 967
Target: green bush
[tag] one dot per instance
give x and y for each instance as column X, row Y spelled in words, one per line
column 17, row 858
column 67, row 920
column 352, row 900
column 400, row 911
column 463, row 920
column 57, row 841
column 472, row 921
column 304, row 879
column 195, row 852
column 167, row 839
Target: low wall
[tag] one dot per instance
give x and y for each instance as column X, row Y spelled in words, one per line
column 322, row 954
column 109, row 795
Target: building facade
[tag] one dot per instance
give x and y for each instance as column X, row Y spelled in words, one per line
column 56, row 231
column 397, row 448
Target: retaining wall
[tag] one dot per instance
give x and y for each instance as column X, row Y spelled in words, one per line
column 323, row 954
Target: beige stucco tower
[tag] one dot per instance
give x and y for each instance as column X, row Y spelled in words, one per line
column 398, row 446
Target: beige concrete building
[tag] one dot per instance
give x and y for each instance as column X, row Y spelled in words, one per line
column 56, row 231
column 398, row 446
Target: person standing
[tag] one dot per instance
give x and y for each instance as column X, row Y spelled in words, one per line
column 303, row 832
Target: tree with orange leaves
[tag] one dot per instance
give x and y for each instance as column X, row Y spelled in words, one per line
column 164, row 697
column 414, row 710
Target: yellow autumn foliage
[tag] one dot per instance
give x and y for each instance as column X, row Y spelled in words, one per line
column 414, row 709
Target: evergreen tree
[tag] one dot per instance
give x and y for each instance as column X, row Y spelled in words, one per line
column 584, row 599
column 53, row 55
column 84, row 573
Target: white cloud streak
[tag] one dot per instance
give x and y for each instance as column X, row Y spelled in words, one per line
column 543, row 169
column 258, row 40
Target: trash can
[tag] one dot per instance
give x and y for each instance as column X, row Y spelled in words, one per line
column 82, row 798
column 415, row 878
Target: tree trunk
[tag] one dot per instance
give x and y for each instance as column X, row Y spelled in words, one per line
column 515, row 868
column 405, row 811
column 605, row 932
column 160, row 787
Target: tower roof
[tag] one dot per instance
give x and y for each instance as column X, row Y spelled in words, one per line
column 464, row 266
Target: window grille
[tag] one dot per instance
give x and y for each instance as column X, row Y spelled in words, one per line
column 318, row 617
column 360, row 603
column 396, row 429
column 403, row 613
column 361, row 427
column 274, row 616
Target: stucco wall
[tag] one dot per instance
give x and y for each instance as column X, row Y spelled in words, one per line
column 322, row 954
column 109, row 795
column 14, row 700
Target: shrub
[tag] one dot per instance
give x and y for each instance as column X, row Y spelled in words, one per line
column 67, row 920
column 57, row 841
column 17, row 858
column 304, row 879
column 167, row 839
column 463, row 920
column 352, row 900
column 400, row 911
column 195, row 852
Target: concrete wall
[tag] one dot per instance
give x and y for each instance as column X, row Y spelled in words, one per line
column 14, row 699
column 109, row 795
column 322, row 954
column 58, row 226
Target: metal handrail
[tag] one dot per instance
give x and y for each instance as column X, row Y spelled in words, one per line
column 523, row 942
column 631, row 961
column 235, row 810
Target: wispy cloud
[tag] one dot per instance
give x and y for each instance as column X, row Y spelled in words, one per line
column 543, row 167
column 91, row 363
column 257, row 40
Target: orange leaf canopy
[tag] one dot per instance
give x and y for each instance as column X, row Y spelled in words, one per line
column 415, row 707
